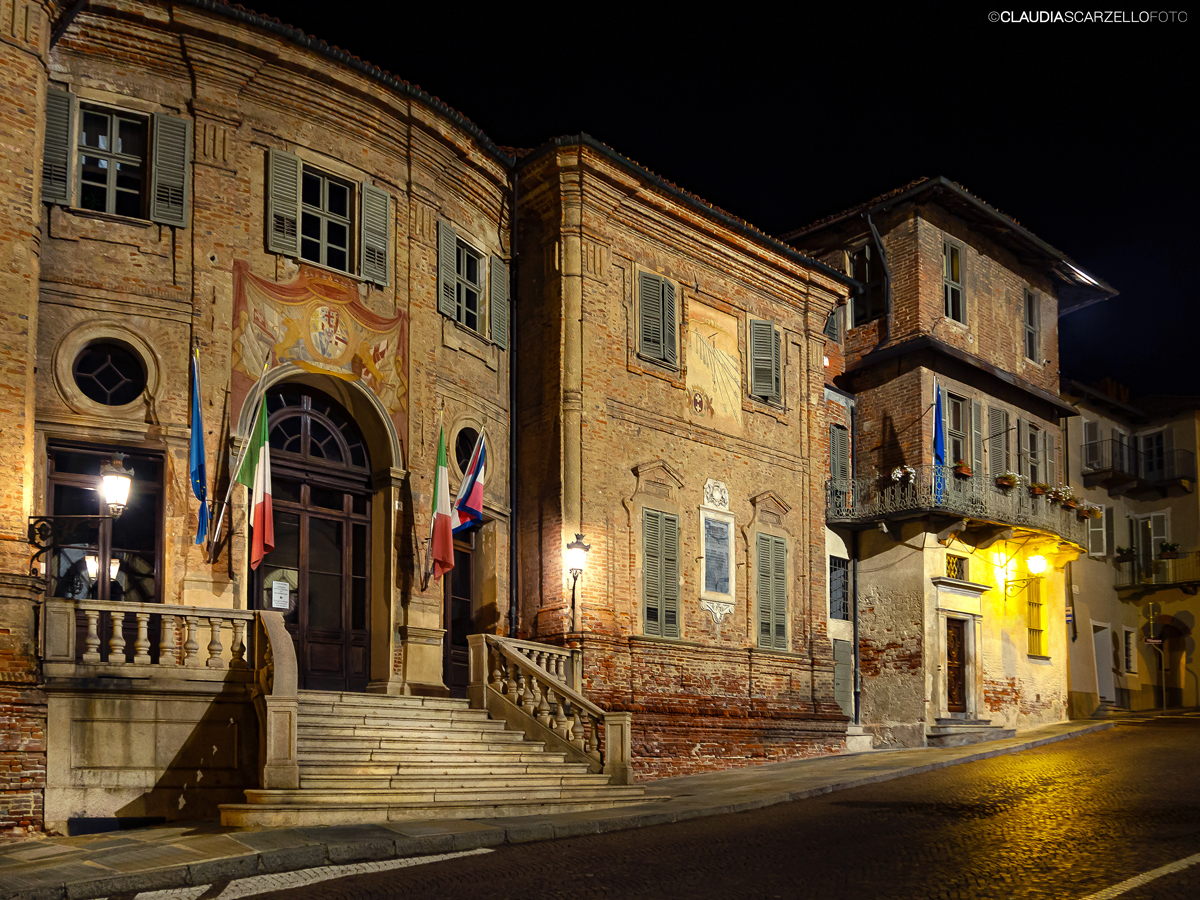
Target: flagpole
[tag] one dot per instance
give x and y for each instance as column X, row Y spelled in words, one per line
column 237, row 468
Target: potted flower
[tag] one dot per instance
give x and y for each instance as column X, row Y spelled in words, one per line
column 904, row 473
column 961, row 469
column 1124, row 555
column 1008, row 480
column 1038, row 488
column 1168, row 550
column 1088, row 510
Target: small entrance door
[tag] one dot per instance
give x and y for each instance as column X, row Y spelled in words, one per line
column 1102, row 641
column 956, row 665
column 319, row 572
column 459, row 617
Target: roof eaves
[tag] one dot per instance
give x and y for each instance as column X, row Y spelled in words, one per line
column 692, row 200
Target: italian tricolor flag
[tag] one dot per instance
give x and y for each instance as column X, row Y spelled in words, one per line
column 255, row 474
column 441, row 532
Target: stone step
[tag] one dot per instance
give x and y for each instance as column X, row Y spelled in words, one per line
column 452, row 758
column 519, row 784
column 343, row 796
column 504, row 742
column 340, row 699
column 386, row 717
column 465, row 772
column 268, row 814
column 959, row 737
column 484, row 731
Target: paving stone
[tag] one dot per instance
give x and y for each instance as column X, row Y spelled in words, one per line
column 289, row 859
column 226, row 869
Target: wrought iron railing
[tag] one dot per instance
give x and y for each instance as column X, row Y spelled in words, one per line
column 1147, row 571
column 868, row 498
column 1120, row 457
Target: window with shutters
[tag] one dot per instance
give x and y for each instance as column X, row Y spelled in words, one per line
column 1098, row 534
column 766, row 375
column 113, row 161
column 472, row 289
column 1092, row 448
column 958, row 423
column 833, row 325
column 839, row 588
column 657, row 327
column 325, row 223
column 952, row 278
column 1036, row 618
column 1032, row 327
column 865, row 266
column 1032, row 451
column 771, row 590
column 839, row 471
column 998, row 462
column 660, row 573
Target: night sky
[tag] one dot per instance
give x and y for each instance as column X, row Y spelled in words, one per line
column 782, row 116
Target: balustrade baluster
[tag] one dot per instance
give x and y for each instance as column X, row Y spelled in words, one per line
column 543, row 707
column 91, row 653
column 576, row 730
column 539, row 659
column 523, row 684
column 141, row 646
column 559, row 669
column 116, row 644
column 560, row 717
column 214, row 646
column 512, row 691
column 191, row 646
column 238, row 650
column 593, row 738
column 168, row 653
column 497, row 671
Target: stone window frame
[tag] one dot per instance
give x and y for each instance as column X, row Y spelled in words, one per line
column 949, row 284
column 113, row 158
column 660, row 358
column 776, row 398
column 657, row 488
column 94, row 331
column 325, row 216
column 463, row 285
column 1031, row 314
column 844, row 600
column 717, row 515
column 770, row 511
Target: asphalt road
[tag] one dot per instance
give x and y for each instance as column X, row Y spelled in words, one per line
column 1067, row 820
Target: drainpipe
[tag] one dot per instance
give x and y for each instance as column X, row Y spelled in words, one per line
column 513, row 431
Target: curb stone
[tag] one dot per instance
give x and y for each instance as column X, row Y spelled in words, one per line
column 372, row 843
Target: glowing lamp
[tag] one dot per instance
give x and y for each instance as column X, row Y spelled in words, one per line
column 577, row 552
column 1036, row 565
column 115, row 483
column 93, row 566
column 114, row 566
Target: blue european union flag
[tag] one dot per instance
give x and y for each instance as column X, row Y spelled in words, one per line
column 196, row 453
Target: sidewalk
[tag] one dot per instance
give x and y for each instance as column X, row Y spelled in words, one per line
column 190, row 854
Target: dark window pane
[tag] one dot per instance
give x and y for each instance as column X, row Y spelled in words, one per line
column 285, row 436
column 284, row 489
column 358, row 551
column 131, row 138
column 325, row 601
column 92, row 196
column 128, row 204
column 362, row 504
column 464, row 446
column 94, row 130
column 77, row 501
column 358, row 604
column 312, row 190
column 286, row 554
column 310, row 250
column 310, row 226
column 77, row 462
column 136, row 528
column 460, row 575
column 336, row 259
column 110, row 374
column 324, row 545
column 335, row 235
column 129, row 177
column 135, row 576
column 326, row 498
column 322, row 444
column 472, row 269
column 339, row 199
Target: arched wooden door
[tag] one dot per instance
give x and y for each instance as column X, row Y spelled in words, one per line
column 319, row 571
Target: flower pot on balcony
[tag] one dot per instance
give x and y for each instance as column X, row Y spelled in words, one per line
column 1037, row 491
column 1070, row 504
column 962, row 471
column 1169, row 554
column 1124, row 557
column 1004, row 481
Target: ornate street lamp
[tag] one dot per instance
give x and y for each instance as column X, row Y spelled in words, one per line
column 47, row 532
column 577, row 552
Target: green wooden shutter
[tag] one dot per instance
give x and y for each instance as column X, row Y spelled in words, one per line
column 373, row 234
column 839, row 452
column 777, row 364
column 1023, row 447
column 997, row 441
column 650, row 315
column 499, row 303
column 652, row 570
column 170, row 171
column 283, row 203
column 764, row 359
column 977, row 435
column 56, row 158
column 670, row 576
column 779, row 590
column 669, row 331
column 1049, row 453
column 447, row 267
column 763, row 585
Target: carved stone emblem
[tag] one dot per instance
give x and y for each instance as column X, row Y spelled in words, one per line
column 716, row 494
column 718, row 609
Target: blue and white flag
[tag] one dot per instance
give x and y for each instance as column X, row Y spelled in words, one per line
column 196, row 453
column 939, row 445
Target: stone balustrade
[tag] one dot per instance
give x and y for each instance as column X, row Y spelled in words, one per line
column 525, row 684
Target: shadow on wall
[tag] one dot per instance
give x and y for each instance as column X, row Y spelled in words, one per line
column 891, row 454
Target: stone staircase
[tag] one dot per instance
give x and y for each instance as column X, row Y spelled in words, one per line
column 958, row 732
column 373, row 758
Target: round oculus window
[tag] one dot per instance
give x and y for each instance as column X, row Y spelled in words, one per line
column 464, row 446
column 110, row 374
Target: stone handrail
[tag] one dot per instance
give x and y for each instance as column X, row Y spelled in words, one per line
column 181, row 631
column 277, row 701
column 561, row 662
column 510, row 685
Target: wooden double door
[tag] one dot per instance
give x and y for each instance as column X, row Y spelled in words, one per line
column 319, row 573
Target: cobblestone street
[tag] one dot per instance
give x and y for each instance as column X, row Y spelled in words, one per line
column 1068, row 820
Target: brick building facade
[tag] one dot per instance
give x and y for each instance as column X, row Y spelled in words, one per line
column 953, row 565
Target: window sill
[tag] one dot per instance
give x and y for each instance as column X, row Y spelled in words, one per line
column 771, row 651
column 656, row 639
column 954, row 323
column 659, row 363
column 301, row 261
column 83, row 213
column 1038, row 657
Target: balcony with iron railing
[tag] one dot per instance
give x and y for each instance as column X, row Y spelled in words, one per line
column 1122, row 469
column 926, row 489
column 1180, row 570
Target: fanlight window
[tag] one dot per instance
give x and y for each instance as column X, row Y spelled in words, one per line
column 314, row 427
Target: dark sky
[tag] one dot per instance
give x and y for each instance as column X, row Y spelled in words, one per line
column 784, row 114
